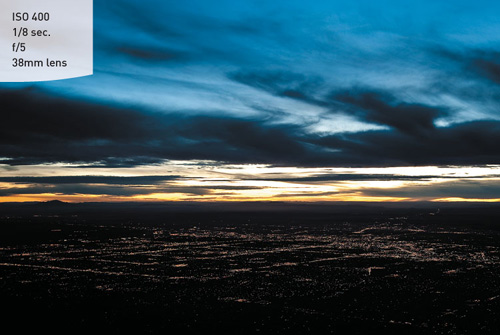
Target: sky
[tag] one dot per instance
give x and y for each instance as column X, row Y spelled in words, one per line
column 266, row 100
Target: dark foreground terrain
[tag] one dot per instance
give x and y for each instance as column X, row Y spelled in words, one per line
column 342, row 270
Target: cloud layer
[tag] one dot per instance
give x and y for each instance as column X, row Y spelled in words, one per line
column 40, row 129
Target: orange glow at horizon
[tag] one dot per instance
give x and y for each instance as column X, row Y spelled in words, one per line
column 180, row 198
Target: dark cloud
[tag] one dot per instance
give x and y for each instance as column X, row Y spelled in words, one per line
column 473, row 63
column 486, row 189
column 251, row 137
column 490, row 68
column 28, row 116
column 381, row 108
column 110, row 190
column 37, row 128
column 334, row 177
column 109, row 180
column 160, row 180
column 411, row 137
column 462, row 144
